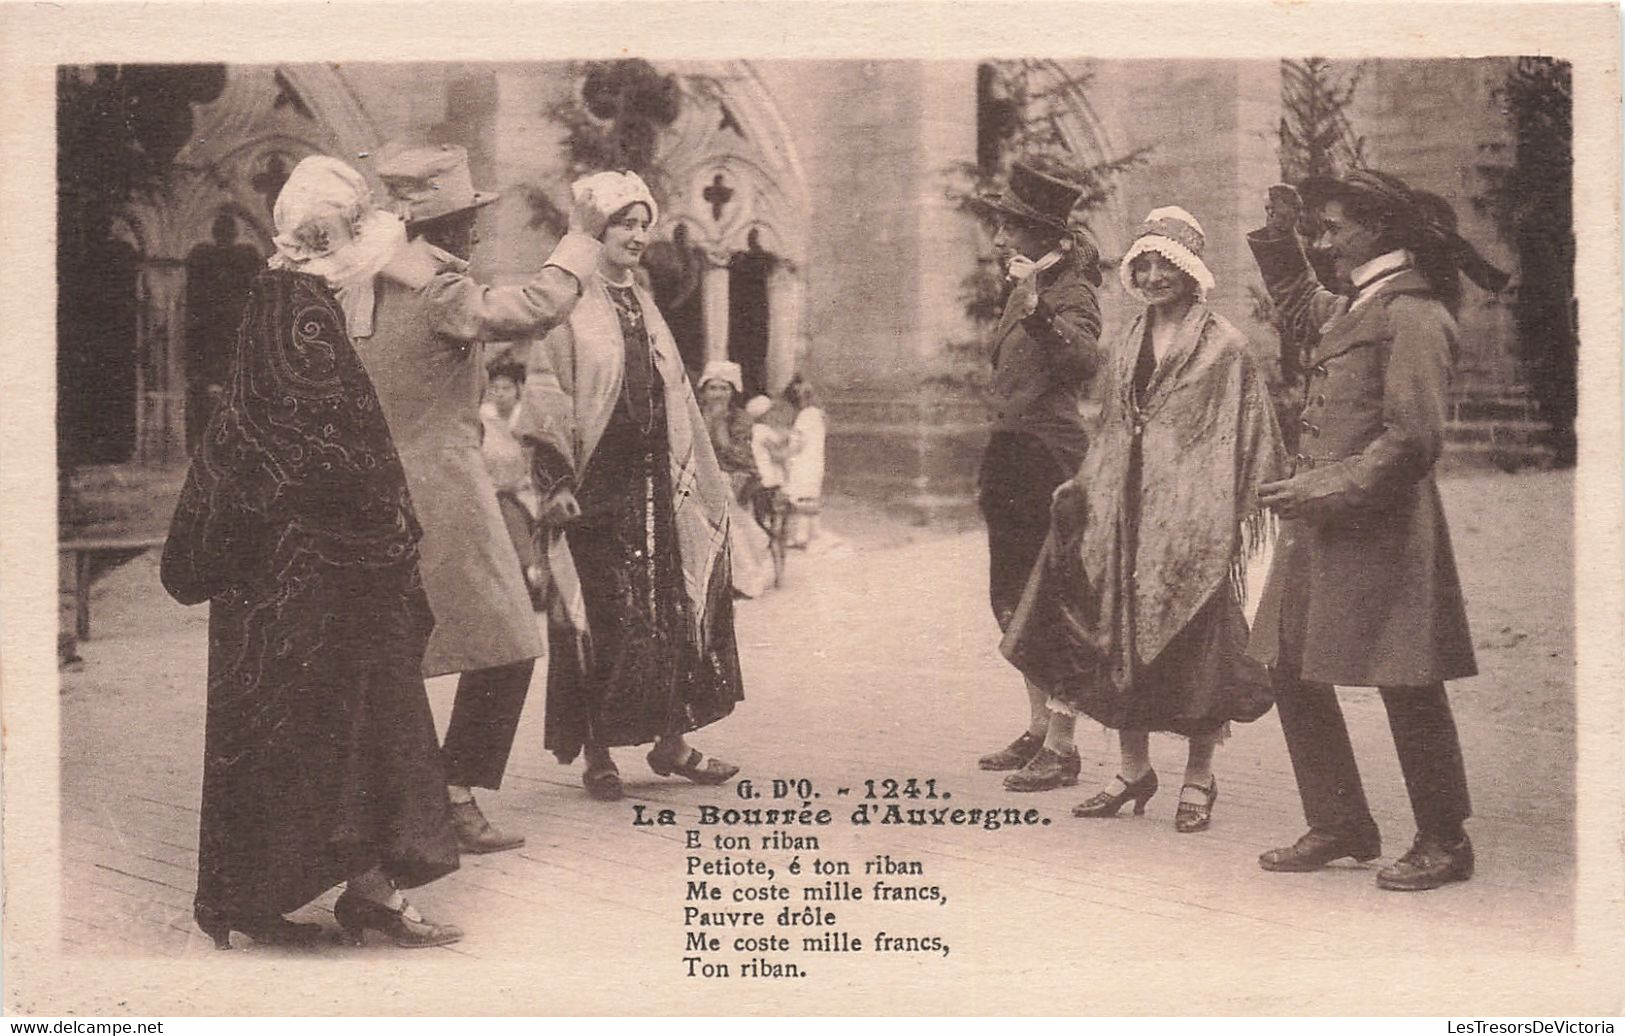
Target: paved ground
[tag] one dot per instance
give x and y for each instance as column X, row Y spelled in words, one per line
column 877, row 659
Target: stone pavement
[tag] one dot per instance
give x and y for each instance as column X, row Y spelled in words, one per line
column 878, row 659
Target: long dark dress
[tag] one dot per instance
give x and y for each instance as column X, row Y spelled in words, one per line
column 320, row 757
column 644, row 678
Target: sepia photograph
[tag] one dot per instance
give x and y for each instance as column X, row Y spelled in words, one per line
column 1008, row 525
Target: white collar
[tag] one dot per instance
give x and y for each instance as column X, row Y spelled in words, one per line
column 1369, row 275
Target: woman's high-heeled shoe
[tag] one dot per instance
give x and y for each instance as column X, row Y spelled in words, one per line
column 1105, row 804
column 695, row 766
column 1192, row 817
column 270, row 930
column 355, row 914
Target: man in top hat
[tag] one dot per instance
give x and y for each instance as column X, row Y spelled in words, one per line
column 426, row 359
column 1363, row 590
column 1045, row 350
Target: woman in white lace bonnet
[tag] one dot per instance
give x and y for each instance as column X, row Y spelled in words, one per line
column 1135, row 616
column 321, row 763
column 327, row 224
column 623, row 455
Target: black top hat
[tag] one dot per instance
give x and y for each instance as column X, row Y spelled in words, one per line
column 1033, row 197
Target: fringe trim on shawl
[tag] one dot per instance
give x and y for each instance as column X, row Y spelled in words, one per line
column 1256, row 539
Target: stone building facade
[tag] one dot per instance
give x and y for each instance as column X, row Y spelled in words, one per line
column 813, row 198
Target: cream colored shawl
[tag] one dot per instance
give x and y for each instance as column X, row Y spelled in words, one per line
column 571, row 389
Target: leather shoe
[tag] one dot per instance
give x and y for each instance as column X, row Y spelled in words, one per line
column 1317, row 848
column 1015, row 755
column 475, row 834
column 1432, row 861
column 1048, row 769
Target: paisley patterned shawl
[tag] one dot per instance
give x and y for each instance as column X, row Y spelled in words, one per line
column 296, row 474
column 1208, row 438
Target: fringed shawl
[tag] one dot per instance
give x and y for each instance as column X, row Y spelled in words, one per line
column 1208, row 438
column 296, row 476
column 569, row 406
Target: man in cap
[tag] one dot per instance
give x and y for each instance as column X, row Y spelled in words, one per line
column 1045, row 350
column 1363, row 590
column 426, row 359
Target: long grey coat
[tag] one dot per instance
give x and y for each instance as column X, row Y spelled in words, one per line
column 1365, row 582
column 427, row 362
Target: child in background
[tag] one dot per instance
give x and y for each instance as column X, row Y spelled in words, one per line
column 509, row 467
column 804, row 463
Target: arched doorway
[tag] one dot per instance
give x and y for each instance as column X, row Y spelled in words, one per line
column 190, row 276
column 219, row 273
column 750, row 314
column 739, row 204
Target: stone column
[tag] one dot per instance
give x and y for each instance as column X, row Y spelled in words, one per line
column 949, row 426
column 714, row 284
column 160, row 381
column 785, row 347
column 949, row 238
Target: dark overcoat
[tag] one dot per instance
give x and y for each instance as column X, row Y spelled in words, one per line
column 1043, row 363
column 1364, row 589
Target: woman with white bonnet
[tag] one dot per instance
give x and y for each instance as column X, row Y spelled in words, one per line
column 732, row 428
column 320, row 759
column 1134, row 614
column 623, row 460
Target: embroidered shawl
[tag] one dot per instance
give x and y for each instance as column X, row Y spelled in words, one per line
column 1208, row 438
column 296, row 472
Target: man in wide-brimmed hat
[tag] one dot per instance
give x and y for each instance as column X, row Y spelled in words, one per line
column 1364, row 589
column 425, row 357
column 1044, row 349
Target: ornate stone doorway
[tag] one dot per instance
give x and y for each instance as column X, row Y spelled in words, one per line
column 739, row 207
column 188, row 277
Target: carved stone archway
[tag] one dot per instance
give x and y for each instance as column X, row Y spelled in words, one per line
column 737, row 187
column 243, row 143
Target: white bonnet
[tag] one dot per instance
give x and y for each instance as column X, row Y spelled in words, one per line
column 726, row 371
column 1175, row 235
column 612, row 192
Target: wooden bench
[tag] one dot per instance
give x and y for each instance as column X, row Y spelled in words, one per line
column 83, row 550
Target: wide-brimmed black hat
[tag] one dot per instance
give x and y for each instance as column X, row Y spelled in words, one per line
column 1426, row 217
column 1387, row 193
column 1032, row 197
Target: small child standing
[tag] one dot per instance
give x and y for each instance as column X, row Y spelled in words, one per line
column 804, row 463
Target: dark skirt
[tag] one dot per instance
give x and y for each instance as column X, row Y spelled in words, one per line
column 1201, row 680
column 644, row 676
column 320, row 755
column 1017, row 477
